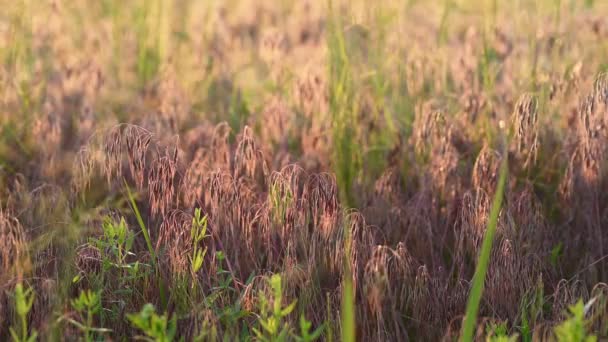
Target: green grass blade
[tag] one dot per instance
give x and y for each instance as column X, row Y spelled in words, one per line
column 162, row 287
column 141, row 223
column 348, row 310
column 348, row 296
column 470, row 318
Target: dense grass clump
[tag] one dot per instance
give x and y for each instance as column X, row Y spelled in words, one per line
column 303, row 170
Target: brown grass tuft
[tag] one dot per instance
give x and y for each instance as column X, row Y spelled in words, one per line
column 13, row 248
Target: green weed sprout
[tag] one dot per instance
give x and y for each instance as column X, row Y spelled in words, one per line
column 117, row 239
column 156, row 328
column 272, row 318
column 573, row 329
column 24, row 299
column 198, row 232
column 305, row 334
column 88, row 304
column 499, row 333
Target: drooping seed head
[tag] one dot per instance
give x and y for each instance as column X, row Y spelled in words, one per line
column 525, row 119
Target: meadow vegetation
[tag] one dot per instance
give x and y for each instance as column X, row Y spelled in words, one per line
column 303, row 170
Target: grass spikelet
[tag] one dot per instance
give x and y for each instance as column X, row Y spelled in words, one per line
column 486, row 170
column 13, row 246
column 525, row 120
column 113, row 149
column 161, row 186
column 136, row 141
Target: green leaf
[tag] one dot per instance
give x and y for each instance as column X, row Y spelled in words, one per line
column 316, row 334
column 33, row 337
column 258, row 333
column 14, row 334
column 286, row 311
column 197, row 260
column 573, row 329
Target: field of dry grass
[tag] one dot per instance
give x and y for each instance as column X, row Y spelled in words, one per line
column 303, row 170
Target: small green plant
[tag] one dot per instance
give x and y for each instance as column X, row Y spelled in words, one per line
column 151, row 250
column 224, row 276
column 220, row 301
column 24, row 299
column 305, row 334
column 156, row 328
column 198, row 232
column 186, row 286
column 115, row 249
column 499, row 333
column 115, row 244
column 272, row 318
column 88, row 305
column 573, row 329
